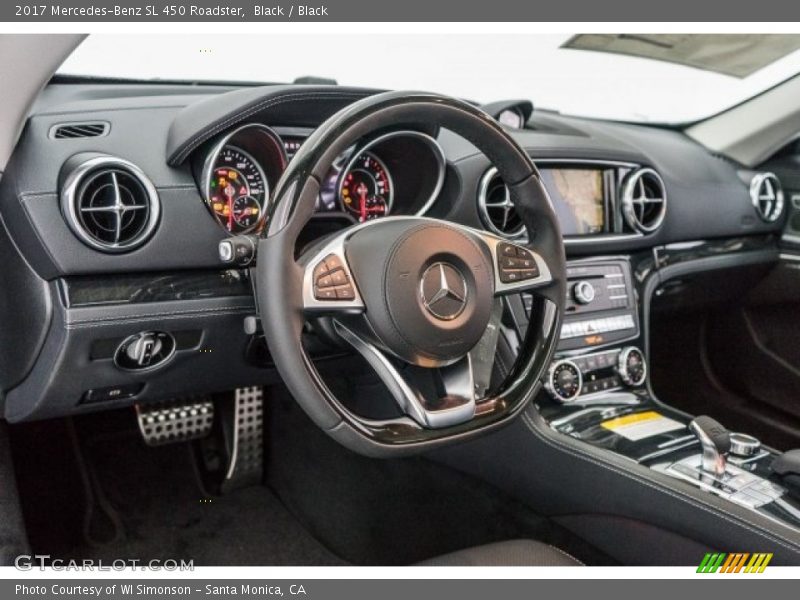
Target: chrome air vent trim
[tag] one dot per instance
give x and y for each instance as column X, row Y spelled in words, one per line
column 644, row 200
column 110, row 204
column 495, row 207
column 766, row 192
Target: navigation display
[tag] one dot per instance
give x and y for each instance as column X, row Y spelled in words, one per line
column 578, row 198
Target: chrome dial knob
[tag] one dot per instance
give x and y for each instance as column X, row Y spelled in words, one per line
column 584, row 292
column 744, row 445
column 564, row 381
column 631, row 366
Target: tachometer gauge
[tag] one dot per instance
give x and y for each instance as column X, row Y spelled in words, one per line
column 237, row 191
column 365, row 188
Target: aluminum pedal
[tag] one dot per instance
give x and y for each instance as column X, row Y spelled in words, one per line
column 246, row 453
column 175, row 421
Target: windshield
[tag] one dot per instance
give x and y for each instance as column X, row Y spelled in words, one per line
column 478, row 67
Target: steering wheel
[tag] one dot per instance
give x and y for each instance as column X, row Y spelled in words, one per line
column 411, row 290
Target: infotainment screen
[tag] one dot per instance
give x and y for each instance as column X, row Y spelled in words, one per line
column 578, row 198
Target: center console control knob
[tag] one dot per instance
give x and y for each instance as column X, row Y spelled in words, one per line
column 631, row 366
column 564, row 381
column 584, row 292
column 744, row 446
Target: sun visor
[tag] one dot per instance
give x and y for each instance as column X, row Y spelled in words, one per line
column 737, row 55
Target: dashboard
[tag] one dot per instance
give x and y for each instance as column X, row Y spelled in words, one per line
column 117, row 197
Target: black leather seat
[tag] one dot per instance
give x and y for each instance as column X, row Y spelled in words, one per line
column 514, row 553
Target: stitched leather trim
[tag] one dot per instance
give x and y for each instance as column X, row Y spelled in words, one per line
column 210, row 312
column 567, row 554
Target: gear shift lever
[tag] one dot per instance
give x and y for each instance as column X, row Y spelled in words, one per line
column 716, row 442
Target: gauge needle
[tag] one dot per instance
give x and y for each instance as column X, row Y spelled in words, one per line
column 362, row 192
column 229, row 193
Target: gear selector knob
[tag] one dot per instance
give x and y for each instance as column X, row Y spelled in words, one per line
column 716, row 442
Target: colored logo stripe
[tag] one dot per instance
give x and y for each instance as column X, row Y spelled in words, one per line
column 711, row 562
column 758, row 563
column 735, row 562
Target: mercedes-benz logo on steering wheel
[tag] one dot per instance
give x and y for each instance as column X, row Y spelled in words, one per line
column 443, row 291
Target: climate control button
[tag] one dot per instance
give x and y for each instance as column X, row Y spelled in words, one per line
column 564, row 380
column 631, row 366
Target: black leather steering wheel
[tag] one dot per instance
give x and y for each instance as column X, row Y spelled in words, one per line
column 411, row 290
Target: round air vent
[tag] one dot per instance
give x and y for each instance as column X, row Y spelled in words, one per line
column 496, row 209
column 644, row 200
column 767, row 195
column 110, row 204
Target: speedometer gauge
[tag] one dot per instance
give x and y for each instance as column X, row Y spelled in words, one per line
column 237, row 190
column 365, row 188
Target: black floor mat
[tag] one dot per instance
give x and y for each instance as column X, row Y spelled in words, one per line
column 391, row 511
column 164, row 514
column 323, row 505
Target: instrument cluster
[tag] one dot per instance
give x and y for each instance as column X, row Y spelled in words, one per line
column 396, row 173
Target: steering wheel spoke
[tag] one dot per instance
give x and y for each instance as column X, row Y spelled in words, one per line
column 456, row 405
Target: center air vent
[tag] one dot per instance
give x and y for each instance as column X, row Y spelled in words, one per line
column 496, row 209
column 110, row 204
column 644, row 200
column 767, row 195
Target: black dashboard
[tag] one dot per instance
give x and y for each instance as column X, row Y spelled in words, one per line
column 117, row 196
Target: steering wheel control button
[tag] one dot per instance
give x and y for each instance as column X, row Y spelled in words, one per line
column 331, row 281
column 338, row 277
column 345, row 292
column 144, row 351
column 515, row 263
column 508, row 250
column 325, row 294
column 333, row 262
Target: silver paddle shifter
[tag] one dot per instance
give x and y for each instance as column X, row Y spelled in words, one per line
column 716, row 442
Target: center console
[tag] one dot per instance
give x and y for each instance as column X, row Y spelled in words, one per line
column 596, row 390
